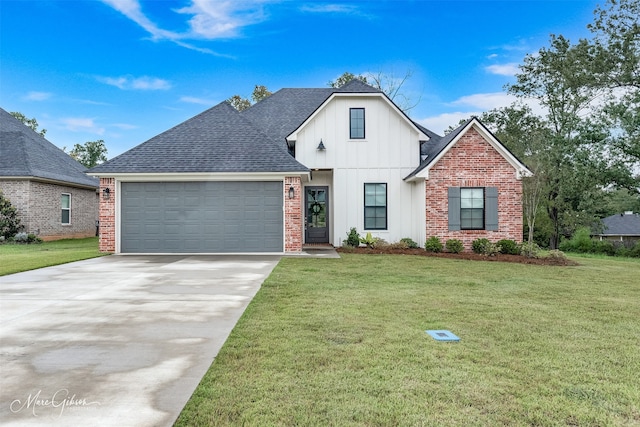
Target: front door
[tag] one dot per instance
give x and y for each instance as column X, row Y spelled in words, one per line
column 316, row 202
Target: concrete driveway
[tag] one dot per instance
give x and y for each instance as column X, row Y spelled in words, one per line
column 119, row 340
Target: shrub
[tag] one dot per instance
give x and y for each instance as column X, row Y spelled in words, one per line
column 409, row 242
column 530, row 250
column 353, row 238
column 635, row 251
column 21, row 237
column 509, row 247
column 581, row 242
column 368, row 240
column 557, row 254
column 433, row 244
column 32, row 238
column 603, row 247
column 398, row 245
column 479, row 246
column 454, row 246
column 9, row 221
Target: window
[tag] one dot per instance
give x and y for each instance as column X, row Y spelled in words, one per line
column 472, row 208
column 356, row 120
column 65, row 201
column 375, row 206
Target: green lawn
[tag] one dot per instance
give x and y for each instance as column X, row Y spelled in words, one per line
column 15, row 258
column 342, row 343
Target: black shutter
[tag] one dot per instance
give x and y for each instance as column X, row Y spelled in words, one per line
column 491, row 208
column 454, row 208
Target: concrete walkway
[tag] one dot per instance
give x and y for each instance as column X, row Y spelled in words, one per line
column 119, row 340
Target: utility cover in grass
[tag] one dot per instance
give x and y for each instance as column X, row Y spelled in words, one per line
column 443, row 336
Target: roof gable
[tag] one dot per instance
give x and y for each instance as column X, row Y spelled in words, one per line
column 219, row 139
column 438, row 147
column 26, row 153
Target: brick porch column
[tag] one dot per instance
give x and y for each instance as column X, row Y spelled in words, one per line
column 293, row 215
column 107, row 216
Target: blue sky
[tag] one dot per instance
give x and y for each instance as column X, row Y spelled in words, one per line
column 126, row 70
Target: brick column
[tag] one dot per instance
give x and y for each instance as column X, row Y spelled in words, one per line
column 293, row 215
column 107, row 216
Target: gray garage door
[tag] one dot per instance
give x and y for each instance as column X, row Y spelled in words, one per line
column 201, row 217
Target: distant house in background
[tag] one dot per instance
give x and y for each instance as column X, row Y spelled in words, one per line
column 621, row 228
column 54, row 198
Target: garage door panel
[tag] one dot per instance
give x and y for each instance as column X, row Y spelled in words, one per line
column 201, row 217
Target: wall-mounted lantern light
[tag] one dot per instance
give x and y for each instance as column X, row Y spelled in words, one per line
column 292, row 192
column 321, row 146
column 106, row 193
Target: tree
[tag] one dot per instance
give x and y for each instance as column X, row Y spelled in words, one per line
column 9, row 221
column 385, row 82
column 32, row 123
column 260, row 92
column 90, row 154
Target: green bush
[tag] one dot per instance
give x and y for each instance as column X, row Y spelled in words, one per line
column 9, row 221
column 409, row 242
column 433, row 244
column 603, row 247
column 635, row 251
column 479, row 246
column 581, row 242
column 530, row 250
column 454, row 246
column 509, row 247
column 353, row 238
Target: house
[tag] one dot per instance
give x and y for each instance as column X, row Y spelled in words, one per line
column 624, row 227
column 302, row 167
column 53, row 196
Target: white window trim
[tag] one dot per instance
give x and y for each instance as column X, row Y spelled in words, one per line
column 63, row 209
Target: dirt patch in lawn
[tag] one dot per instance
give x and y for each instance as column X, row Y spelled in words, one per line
column 471, row 256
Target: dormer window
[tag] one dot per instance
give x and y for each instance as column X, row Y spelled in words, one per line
column 356, row 120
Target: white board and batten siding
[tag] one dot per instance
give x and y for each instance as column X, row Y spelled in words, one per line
column 389, row 152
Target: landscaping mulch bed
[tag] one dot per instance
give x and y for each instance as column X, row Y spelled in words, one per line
column 465, row 256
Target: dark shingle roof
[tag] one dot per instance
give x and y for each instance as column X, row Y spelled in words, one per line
column 621, row 225
column 218, row 140
column 25, row 153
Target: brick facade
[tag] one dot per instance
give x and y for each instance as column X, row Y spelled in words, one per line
column 108, row 216
column 39, row 208
column 473, row 162
column 293, row 215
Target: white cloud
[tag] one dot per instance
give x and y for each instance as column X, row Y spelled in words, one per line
column 441, row 122
column 136, row 83
column 209, row 21
column 81, row 124
column 194, row 100
column 510, row 69
column 485, row 101
column 329, row 8
column 38, row 96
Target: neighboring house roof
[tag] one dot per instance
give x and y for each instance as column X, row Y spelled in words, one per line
column 220, row 139
column 437, row 146
column 25, row 153
column 627, row 224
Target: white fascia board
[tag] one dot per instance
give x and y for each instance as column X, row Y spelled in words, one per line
column 293, row 136
column 202, row 176
column 520, row 169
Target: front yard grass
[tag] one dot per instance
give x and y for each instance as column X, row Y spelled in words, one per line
column 343, row 342
column 15, row 258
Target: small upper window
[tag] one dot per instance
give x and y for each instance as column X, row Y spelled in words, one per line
column 65, row 201
column 472, row 208
column 356, row 116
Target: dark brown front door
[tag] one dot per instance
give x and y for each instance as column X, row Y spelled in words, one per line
column 316, row 202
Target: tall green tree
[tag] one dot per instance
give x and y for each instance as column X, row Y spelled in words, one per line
column 32, row 123
column 90, row 154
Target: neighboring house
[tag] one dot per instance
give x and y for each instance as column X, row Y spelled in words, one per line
column 54, row 198
column 302, row 167
column 621, row 228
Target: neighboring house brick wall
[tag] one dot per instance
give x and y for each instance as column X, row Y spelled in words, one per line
column 39, row 207
column 108, row 216
column 472, row 162
column 293, row 215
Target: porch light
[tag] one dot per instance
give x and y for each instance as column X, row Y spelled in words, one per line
column 321, row 146
column 292, row 192
column 106, row 193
